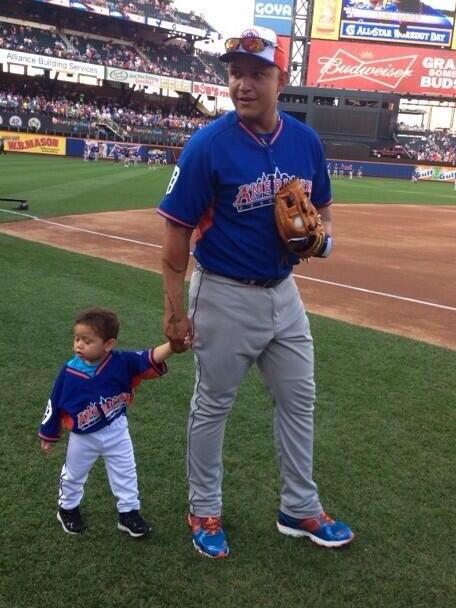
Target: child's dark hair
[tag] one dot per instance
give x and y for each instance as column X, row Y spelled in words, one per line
column 103, row 321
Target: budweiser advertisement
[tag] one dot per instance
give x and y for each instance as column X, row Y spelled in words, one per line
column 375, row 67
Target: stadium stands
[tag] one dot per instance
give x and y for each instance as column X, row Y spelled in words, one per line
column 145, row 57
column 31, row 40
column 120, row 110
column 104, row 118
column 213, row 64
column 431, row 146
column 160, row 9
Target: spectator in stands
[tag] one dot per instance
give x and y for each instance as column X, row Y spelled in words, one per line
column 85, row 114
column 170, row 61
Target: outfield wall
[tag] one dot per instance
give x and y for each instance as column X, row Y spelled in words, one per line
column 437, row 173
column 370, row 169
column 69, row 146
column 108, row 149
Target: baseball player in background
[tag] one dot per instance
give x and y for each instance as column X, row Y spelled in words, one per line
column 90, row 398
column 150, row 158
column 244, row 305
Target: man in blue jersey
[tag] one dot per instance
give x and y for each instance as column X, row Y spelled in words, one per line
column 244, row 306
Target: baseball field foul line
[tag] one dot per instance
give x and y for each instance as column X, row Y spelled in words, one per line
column 297, row 276
column 376, row 293
column 108, row 236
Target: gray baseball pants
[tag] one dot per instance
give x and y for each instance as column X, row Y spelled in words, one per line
column 235, row 326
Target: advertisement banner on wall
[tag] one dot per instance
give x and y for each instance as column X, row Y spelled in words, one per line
column 177, row 27
column 33, row 143
column 428, row 22
column 276, row 16
column 129, row 11
column 144, row 79
column 24, row 120
column 169, row 83
column 385, row 68
column 436, row 174
column 107, row 9
column 213, row 90
column 326, row 21
column 51, row 63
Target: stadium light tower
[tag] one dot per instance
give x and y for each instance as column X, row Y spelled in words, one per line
column 301, row 21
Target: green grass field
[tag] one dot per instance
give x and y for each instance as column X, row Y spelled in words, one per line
column 384, row 444
column 58, row 186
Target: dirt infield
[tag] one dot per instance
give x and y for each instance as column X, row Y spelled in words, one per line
column 377, row 276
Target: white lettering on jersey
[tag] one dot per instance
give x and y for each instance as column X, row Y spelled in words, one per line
column 48, row 412
column 173, row 180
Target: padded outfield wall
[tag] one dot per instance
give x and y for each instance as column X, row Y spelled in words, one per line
column 74, row 147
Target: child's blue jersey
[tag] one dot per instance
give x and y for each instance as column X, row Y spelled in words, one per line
column 224, row 185
column 85, row 404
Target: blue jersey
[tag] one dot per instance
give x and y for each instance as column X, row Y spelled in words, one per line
column 85, row 404
column 224, row 185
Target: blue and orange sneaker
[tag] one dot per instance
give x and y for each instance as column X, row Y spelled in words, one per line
column 321, row 529
column 208, row 536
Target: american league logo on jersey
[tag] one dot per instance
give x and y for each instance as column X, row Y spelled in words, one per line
column 261, row 192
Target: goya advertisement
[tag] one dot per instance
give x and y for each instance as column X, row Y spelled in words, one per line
column 275, row 15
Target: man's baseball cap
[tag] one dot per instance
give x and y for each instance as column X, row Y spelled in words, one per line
column 259, row 42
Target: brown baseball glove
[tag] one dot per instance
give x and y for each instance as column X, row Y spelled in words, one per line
column 298, row 222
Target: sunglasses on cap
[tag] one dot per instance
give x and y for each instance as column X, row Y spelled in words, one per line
column 250, row 44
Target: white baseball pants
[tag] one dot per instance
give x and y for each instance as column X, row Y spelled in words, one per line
column 113, row 444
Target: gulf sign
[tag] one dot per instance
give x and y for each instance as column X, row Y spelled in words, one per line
column 274, row 15
column 437, row 174
column 386, row 68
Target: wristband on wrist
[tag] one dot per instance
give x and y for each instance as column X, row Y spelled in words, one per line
column 326, row 247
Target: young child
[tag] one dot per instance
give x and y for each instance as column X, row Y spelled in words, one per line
column 90, row 398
